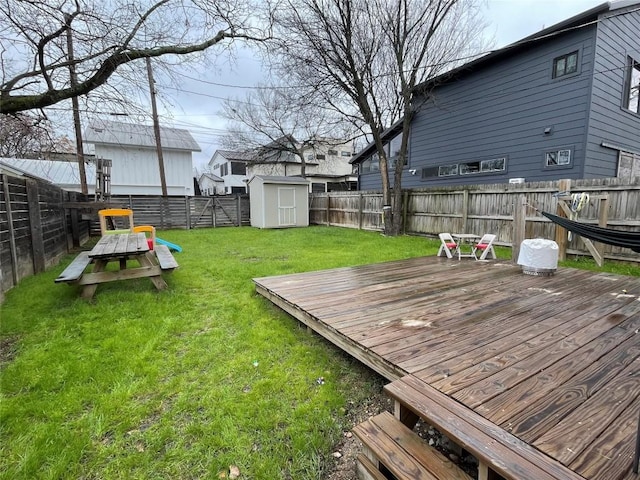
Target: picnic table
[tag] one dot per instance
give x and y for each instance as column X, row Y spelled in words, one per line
column 133, row 255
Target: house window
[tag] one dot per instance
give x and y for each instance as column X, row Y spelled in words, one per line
column 483, row 166
column 394, row 149
column 447, row 170
column 320, row 156
column 493, row 165
column 332, row 152
column 318, row 187
column 565, row 64
column 371, row 164
column 224, row 170
column 632, row 86
column 557, row 158
column 429, row 172
column 238, row 168
column 310, row 157
column 628, row 164
column 345, row 154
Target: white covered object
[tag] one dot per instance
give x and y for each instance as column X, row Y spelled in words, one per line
column 538, row 256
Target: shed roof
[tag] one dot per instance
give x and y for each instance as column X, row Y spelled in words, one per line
column 119, row 133
column 280, row 179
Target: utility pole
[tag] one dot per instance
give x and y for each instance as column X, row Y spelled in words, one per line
column 73, row 78
column 156, row 128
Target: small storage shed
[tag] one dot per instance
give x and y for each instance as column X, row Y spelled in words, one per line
column 279, row 202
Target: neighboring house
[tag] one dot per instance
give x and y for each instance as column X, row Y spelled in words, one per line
column 327, row 164
column 64, row 174
column 562, row 103
column 132, row 149
column 211, row 184
column 231, row 167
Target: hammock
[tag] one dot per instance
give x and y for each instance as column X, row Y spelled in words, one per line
column 619, row 238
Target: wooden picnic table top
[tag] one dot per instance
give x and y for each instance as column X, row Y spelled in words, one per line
column 119, row 245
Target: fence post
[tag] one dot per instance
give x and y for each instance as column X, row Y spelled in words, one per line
column 187, row 207
column 561, row 233
column 35, row 226
column 465, row 209
column 519, row 226
column 360, row 208
column 328, row 208
column 238, row 210
column 75, row 221
column 162, row 202
column 603, row 219
column 12, row 233
column 405, row 206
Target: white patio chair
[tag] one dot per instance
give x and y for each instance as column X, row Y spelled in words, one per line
column 447, row 245
column 485, row 245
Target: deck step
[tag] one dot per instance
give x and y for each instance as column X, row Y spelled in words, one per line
column 402, row 452
column 485, row 441
column 366, row 470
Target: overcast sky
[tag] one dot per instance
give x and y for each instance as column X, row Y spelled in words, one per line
column 198, row 103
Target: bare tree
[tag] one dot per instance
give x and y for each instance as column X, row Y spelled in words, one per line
column 279, row 126
column 25, row 136
column 365, row 58
column 107, row 35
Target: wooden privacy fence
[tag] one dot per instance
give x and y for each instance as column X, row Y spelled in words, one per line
column 40, row 222
column 490, row 209
column 187, row 212
column 35, row 228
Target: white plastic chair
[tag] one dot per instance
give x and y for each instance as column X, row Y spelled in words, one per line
column 447, row 244
column 485, row 245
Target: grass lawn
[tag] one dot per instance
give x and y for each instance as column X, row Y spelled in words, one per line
column 186, row 382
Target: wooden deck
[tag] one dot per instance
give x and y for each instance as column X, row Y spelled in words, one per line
column 553, row 360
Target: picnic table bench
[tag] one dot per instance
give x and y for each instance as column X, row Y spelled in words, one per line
column 122, row 248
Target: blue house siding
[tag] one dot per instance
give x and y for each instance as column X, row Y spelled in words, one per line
column 502, row 110
column 618, row 37
column 508, row 105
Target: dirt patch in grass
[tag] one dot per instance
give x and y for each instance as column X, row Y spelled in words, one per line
column 8, row 349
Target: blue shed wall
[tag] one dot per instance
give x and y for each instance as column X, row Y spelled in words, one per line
column 618, row 37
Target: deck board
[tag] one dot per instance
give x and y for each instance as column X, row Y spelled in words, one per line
column 554, row 361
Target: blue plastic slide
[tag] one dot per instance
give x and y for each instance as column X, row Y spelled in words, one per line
column 172, row 246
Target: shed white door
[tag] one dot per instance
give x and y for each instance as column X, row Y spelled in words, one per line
column 286, row 206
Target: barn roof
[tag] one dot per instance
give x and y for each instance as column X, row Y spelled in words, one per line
column 129, row 134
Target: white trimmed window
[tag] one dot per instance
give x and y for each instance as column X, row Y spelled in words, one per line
column 447, row 170
column 557, row 158
column 565, row 64
column 484, row 166
column 632, row 86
